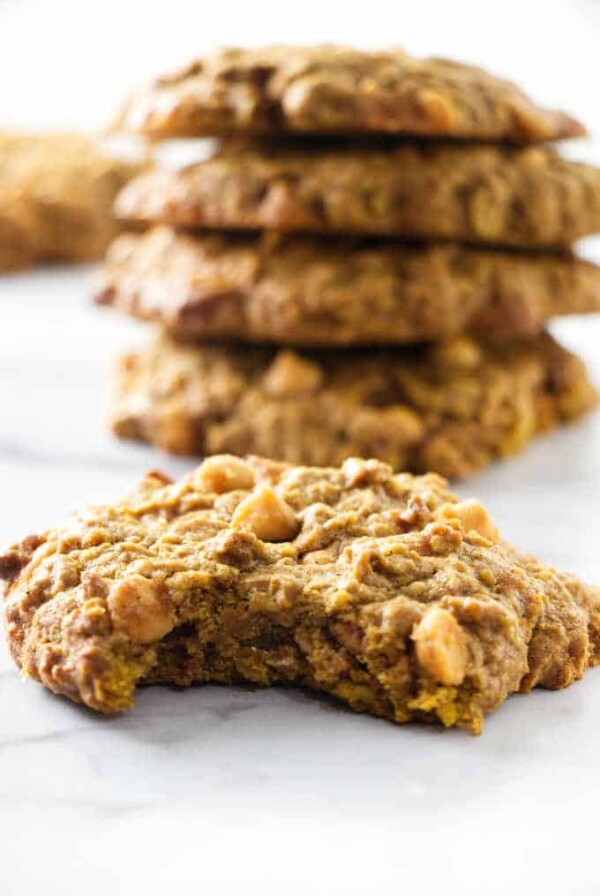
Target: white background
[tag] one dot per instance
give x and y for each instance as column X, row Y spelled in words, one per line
column 223, row 791
column 68, row 62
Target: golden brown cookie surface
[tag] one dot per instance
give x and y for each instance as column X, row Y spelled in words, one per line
column 382, row 590
column 15, row 245
column 58, row 191
column 334, row 89
column 308, row 291
column 528, row 198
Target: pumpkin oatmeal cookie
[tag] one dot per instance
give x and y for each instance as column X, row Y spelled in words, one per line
column 453, row 407
column 335, row 89
column 56, row 197
column 301, row 290
column 497, row 195
column 384, row 591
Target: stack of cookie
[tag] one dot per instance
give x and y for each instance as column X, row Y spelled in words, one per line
column 365, row 266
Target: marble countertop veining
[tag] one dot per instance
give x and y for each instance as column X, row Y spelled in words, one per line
column 240, row 790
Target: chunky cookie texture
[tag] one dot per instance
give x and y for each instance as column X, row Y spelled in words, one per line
column 56, row 198
column 453, row 408
column 528, row 198
column 333, row 89
column 382, row 590
column 302, row 290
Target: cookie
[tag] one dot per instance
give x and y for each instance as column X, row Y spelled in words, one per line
column 310, row 291
column 58, row 192
column 338, row 90
column 517, row 197
column 15, row 248
column 384, row 591
column 454, row 407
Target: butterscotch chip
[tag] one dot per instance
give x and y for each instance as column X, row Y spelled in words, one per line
column 136, row 608
column 334, row 89
column 56, row 197
column 225, row 473
column 441, row 647
column 388, row 609
column 473, row 517
column 459, row 354
column 291, row 375
column 310, row 291
column 498, row 195
column 404, row 406
column 267, row 515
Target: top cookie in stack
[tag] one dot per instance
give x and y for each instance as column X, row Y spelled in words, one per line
column 355, row 199
column 338, row 90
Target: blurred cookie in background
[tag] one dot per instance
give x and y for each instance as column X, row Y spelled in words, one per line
column 56, row 196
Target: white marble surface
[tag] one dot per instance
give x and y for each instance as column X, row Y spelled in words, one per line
column 246, row 791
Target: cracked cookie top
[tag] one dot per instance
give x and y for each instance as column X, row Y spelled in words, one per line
column 335, row 89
